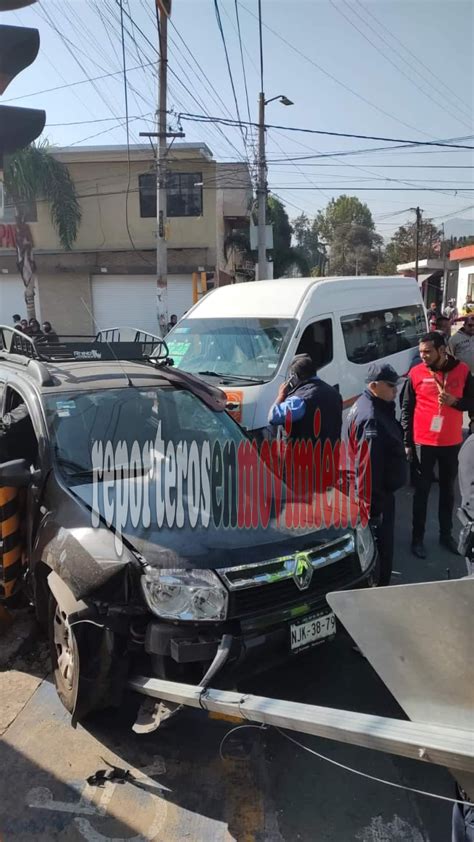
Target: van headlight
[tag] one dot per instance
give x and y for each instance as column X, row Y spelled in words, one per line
column 365, row 546
column 184, row 594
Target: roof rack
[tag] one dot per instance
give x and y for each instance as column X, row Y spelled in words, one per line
column 108, row 345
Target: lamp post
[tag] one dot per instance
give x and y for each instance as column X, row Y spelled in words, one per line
column 262, row 182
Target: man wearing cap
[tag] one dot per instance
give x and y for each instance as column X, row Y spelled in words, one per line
column 299, row 398
column 372, row 419
column 436, row 394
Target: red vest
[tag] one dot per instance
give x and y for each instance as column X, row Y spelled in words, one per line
column 425, row 429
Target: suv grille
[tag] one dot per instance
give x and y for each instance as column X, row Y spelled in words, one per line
column 295, row 579
column 286, row 593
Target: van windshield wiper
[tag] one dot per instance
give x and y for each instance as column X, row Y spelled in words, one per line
column 230, row 377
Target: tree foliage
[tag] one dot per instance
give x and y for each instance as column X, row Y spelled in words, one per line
column 347, row 226
column 287, row 260
column 402, row 246
column 307, row 238
column 34, row 174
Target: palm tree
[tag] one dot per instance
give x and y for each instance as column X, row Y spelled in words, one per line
column 34, row 174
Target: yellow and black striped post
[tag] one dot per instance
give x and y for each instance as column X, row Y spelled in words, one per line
column 10, row 542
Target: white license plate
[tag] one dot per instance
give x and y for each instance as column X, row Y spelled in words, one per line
column 310, row 630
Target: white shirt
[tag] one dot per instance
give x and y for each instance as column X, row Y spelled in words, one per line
column 466, row 475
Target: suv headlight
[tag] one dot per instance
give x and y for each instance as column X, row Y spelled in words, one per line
column 184, row 594
column 365, row 546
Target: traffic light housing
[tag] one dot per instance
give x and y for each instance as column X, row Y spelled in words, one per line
column 18, row 49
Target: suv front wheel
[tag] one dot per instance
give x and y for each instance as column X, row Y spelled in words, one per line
column 64, row 655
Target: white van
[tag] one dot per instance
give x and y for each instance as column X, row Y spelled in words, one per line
column 243, row 337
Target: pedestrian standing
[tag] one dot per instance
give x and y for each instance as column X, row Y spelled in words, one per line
column 461, row 346
column 451, row 311
column 50, row 334
column 300, row 397
column 436, row 394
column 372, row 419
column 443, row 326
column 433, row 314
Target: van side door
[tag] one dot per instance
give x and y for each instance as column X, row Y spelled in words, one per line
column 318, row 340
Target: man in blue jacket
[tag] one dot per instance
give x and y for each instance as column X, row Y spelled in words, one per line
column 300, row 397
column 372, row 418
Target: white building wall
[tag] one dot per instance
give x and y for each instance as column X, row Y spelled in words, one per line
column 466, row 268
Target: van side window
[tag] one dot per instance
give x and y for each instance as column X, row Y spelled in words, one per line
column 317, row 342
column 380, row 333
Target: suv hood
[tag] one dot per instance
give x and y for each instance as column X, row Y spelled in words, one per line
column 201, row 547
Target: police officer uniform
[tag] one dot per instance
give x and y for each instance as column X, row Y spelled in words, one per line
column 373, row 419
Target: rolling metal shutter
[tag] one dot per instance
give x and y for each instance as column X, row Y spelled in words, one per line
column 131, row 300
column 124, row 300
column 12, row 299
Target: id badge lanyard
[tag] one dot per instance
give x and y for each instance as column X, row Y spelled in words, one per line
column 437, row 420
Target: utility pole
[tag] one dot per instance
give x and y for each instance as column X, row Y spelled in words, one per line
column 163, row 12
column 417, row 249
column 262, row 191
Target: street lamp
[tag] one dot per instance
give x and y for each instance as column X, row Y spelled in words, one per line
column 262, row 181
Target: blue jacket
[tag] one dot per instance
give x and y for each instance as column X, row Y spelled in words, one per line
column 302, row 404
column 374, row 420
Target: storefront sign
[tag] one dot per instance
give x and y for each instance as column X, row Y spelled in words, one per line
column 7, row 236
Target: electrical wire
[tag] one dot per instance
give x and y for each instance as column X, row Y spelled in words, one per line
column 330, row 75
column 224, row 120
column 79, row 82
column 72, row 48
column 129, row 174
column 370, row 777
column 260, row 40
column 177, row 77
column 244, row 72
column 229, row 70
column 410, row 53
column 387, row 57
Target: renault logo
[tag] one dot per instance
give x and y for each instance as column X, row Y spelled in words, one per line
column 303, row 571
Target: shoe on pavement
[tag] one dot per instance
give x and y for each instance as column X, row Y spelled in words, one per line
column 418, row 549
column 449, row 543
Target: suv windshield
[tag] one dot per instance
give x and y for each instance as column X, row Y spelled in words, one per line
column 127, row 418
column 239, row 348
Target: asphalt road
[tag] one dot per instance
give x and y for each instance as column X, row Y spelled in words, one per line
column 265, row 789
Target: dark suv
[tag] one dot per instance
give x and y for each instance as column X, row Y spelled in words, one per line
column 141, row 552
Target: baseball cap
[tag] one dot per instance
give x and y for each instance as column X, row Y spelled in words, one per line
column 382, row 371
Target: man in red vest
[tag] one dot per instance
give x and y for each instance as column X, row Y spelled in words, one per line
column 436, row 394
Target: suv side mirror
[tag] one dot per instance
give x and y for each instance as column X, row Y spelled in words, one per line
column 15, row 474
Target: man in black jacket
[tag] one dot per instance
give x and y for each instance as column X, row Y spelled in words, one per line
column 300, row 397
column 372, row 419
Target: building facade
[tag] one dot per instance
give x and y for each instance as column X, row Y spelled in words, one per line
column 109, row 276
column 465, row 260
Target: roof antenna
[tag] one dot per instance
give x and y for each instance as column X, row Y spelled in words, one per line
column 127, row 377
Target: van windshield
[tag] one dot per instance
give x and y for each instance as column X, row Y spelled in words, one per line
column 232, row 348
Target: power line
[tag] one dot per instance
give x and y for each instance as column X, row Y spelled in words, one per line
column 179, row 80
column 225, row 121
column 129, row 172
column 79, row 82
column 412, row 55
column 244, row 72
column 229, row 70
column 330, row 75
column 411, row 79
column 260, row 38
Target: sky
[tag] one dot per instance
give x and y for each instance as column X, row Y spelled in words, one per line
column 390, row 68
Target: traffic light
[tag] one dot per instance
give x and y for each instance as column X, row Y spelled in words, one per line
column 18, row 49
